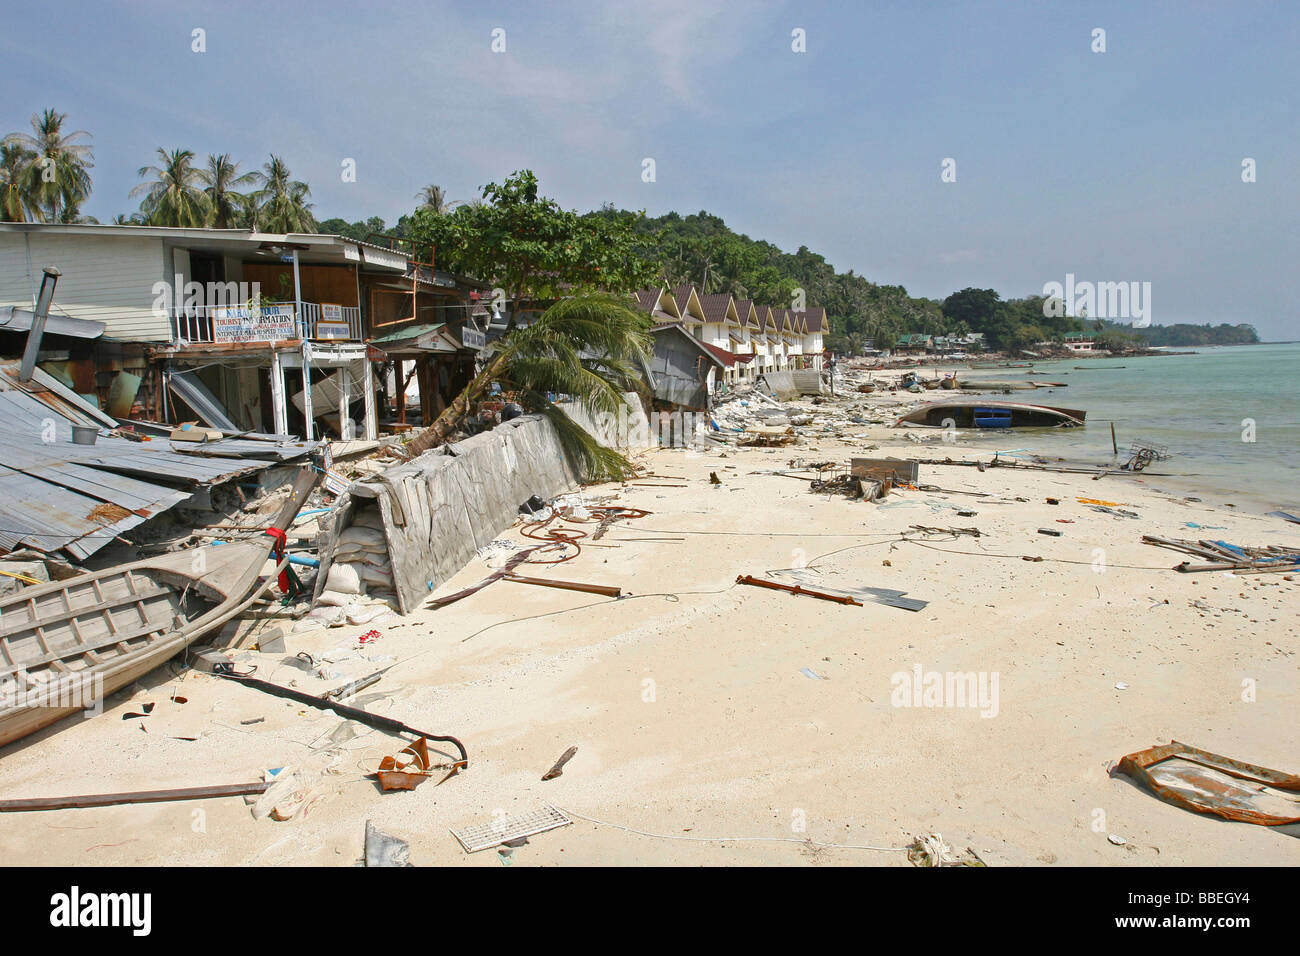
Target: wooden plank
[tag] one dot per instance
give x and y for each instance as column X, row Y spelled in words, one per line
column 138, row 796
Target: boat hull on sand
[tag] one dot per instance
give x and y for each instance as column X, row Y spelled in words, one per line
column 67, row 644
column 1011, row 414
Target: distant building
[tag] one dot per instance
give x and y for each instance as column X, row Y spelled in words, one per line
column 746, row 337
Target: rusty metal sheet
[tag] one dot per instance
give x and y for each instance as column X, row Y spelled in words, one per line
column 1205, row 782
column 393, row 774
column 900, row 470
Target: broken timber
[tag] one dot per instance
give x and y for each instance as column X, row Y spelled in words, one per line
column 796, row 589
column 137, row 796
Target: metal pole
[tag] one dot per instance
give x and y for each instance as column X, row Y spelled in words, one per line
column 39, row 315
column 306, row 390
column 297, row 299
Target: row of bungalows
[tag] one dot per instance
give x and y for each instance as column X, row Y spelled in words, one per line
column 919, row 343
column 286, row 334
column 746, row 339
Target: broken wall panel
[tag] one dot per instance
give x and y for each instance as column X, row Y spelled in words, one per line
column 449, row 502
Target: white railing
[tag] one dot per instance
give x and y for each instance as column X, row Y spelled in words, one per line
column 276, row 321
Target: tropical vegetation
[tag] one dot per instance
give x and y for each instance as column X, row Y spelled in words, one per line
column 46, row 172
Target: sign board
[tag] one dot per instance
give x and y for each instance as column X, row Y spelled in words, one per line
column 241, row 323
column 472, row 338
column 376, row 355
column 331, row 324
column 336, row 483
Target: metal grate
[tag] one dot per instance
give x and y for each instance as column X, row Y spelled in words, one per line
column 510, row 826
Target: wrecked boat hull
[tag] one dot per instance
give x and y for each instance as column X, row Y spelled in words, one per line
column 1009, row 414
column 66, row 645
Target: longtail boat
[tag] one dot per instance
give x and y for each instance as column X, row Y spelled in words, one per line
column 67, row 644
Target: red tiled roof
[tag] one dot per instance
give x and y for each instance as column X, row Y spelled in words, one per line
column 715, row 306
column 726, row 358
column 647, row 299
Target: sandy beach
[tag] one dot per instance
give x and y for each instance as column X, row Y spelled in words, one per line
column 721, row 724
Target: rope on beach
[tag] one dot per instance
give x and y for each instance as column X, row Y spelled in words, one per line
column 1021, row 557
column 692, row 839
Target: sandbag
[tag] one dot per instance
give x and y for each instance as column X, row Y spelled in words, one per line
column 370, row 539
column 344, row 578
column 367, row 518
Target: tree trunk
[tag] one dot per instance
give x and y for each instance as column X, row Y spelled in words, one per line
column 445, row 423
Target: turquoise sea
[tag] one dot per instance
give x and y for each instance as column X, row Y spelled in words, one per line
column 1201, row 406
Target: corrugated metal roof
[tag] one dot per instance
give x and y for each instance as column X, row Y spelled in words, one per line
column 56, row 495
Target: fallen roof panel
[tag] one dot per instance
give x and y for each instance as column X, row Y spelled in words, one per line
column 57, row 495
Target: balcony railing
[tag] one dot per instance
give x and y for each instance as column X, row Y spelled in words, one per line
column 273, row 322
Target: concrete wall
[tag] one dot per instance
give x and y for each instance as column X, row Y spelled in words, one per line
column 443, row 506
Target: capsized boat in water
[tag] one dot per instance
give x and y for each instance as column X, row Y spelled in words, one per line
column 67, row 644
column 992, row 415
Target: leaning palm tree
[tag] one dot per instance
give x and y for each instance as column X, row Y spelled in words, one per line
column 174, row 197
column 283, row 200
column 56, row 174
column 13, row 167
column 220, row 180
column 590, row 347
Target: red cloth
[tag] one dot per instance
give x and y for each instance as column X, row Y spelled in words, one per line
column 281, row 542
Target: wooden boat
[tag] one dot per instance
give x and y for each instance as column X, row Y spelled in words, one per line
column 992, row 415
column 67, row 644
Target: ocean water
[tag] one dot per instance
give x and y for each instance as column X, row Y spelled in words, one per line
column 1230, row 417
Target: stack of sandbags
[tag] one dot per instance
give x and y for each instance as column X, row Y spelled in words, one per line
column 360, row 570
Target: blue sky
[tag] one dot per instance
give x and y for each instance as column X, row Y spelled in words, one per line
column 1115, row 166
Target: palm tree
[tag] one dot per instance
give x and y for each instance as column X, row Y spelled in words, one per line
column 13, row 166
column 249, row 212
column 283, row 200
column 225, row 205
column 175, row 196
column 55, row 175
column 135, row 219
column 590, row 347
column 434, row 198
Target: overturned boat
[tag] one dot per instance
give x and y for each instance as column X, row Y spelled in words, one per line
column 993, row 415
column 66, row 645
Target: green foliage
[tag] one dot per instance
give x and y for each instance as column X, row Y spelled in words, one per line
column 1185, row 335
column 174, row 195
column 13, row 194
column 282, row 200
column 51, row 169
column 220, row 180
column 527, row 245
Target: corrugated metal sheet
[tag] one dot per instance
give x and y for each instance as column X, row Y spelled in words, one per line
column 20, row 320
column 56, row 495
